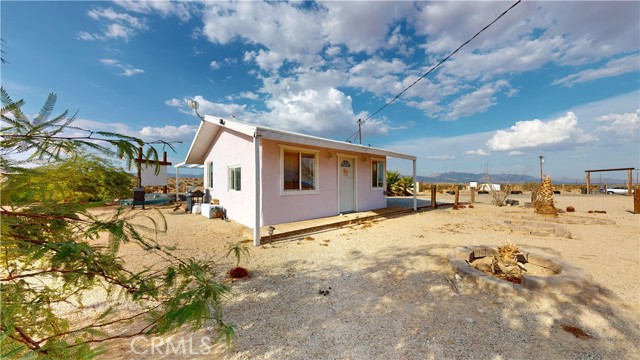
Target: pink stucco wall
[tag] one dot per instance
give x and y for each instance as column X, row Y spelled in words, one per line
column 279, row 208
column 231, row 149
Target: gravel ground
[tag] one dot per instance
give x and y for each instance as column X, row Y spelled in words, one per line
column 384, row 290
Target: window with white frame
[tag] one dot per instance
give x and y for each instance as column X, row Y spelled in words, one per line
column 210, row 174
column 377, row 174
column 299, row 170
column 234, row 178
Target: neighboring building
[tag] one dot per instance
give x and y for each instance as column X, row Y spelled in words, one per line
column 264, row 176
column 489, row 187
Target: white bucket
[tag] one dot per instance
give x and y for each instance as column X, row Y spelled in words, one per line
column 196, row 209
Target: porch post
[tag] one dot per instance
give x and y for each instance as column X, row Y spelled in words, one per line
column 256, row 225
column 177, row 183
column 415, row 188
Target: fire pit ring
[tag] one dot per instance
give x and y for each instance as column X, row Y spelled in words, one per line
column 565, row 278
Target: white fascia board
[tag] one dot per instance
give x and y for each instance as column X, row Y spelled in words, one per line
column 326, row 143
column 188, row 166
column 193, row 143
column 293, row 137
column 246, row 129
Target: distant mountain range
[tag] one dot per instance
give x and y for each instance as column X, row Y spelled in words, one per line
column 184, row 176
column 465, row 178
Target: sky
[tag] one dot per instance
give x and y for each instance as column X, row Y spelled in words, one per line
column 557, row 79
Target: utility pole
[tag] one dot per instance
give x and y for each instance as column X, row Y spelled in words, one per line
column 541, row 161
column 360, row 122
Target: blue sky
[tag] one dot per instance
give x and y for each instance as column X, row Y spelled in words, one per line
column 559, row 79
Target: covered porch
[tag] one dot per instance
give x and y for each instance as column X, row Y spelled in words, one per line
column 396, row 207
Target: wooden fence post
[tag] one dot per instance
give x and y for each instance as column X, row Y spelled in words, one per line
column 433, row 196
column 457, row 197
column 636, row 201
column 473, row 195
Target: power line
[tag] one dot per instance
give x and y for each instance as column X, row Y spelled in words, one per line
column 352, row 136
column 441, row 62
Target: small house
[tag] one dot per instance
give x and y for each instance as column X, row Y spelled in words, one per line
column 264, row 176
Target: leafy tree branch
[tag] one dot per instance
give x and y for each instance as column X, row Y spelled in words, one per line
column 54, row 250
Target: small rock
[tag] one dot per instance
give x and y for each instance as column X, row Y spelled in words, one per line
column 470, row 320
column 571, row 209
column 458, row 277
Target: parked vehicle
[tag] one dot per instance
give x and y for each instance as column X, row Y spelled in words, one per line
column 618, row 190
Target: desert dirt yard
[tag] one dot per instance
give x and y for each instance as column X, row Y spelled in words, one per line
column 384, row 289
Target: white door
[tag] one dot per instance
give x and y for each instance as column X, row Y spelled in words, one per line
column 347, row 184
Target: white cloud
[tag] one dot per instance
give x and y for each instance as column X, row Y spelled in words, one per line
column 516, row 153
column 248, row 56
column 120, row 25
column 214, row 65
column 536, row 133
column 116, row 25
column 612, row 68
column 109, row 61
column 587, row 38
column 249, row 95
column 333, row 51
column 125, row 69
column 476, row 102
column 182, row 133
column 269, row 60
column 130, row 71
column 175, row 103
column 83, row 35
column 219, row 109
column 523, row 56
column 583, row 36
column 111, row 15
column 321, row 112
column 376, row 67
column 478, row 152
column 286, row 31
column 181, row 9
column 448, row 24
column 440, row 157
column 169, row 132
column 362, row 27
column 624, row 126
column 297, row 48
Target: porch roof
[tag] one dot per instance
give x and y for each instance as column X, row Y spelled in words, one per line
column 210, row 126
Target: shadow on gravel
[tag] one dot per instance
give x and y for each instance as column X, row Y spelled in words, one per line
column 393, row 304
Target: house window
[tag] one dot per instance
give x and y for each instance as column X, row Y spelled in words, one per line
column 377, row 174
column 299, row 170
column 210, row 175
column 234, row 178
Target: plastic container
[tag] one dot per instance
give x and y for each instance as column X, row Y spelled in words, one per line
column 197, row 209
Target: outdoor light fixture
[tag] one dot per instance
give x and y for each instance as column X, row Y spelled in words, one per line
column 221, row 121
column 270, row 229
column 541, row 162
column 194, row 106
